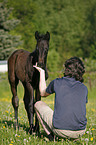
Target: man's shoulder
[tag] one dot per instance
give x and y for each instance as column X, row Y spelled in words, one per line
column 85, row 87
column 60, row 81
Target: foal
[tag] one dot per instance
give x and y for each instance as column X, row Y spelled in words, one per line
column 20, row 67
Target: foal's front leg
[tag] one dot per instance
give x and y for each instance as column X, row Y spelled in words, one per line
column 29, row 102
column 38, row 98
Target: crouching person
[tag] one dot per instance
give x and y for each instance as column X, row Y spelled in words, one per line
column 68, row 120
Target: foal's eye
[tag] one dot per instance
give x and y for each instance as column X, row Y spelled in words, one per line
column 46, row 49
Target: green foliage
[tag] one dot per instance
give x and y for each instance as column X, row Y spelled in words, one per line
column 24, row 11
column 8, row 42
column 93, row 51
column 69, row 24
column 53, row 60
column 89, row 35
column 72, row 25
column 90, row 64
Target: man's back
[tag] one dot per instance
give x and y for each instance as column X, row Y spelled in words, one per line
column 70, row 103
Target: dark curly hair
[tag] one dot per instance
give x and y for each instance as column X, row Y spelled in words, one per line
column 74, row 67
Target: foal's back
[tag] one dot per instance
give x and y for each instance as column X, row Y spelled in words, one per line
column 16, row 65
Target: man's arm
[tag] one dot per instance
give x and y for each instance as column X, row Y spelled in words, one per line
column 42, row 83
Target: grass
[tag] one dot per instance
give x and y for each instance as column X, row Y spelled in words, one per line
column 9, row 136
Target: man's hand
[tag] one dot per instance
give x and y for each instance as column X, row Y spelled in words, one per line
column 42, row 83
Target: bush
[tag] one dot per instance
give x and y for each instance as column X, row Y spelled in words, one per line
column 90, row 64
column 53, row 60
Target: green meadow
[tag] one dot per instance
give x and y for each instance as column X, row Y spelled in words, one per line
column 10, row 136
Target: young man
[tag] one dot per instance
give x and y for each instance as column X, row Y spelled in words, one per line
column 68, row 120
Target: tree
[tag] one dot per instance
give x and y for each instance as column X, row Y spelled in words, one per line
column 88, row 41
column 25, row 10
column 53, row 61
column 70, row 23
column 8, row 42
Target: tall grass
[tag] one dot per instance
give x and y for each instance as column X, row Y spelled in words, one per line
column 9, row 136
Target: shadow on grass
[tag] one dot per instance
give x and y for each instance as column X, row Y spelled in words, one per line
column 23, row 127
column 11, row 123
column 42, row 135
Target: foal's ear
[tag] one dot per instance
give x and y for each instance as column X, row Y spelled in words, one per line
column 47, row 35
column 36, row 35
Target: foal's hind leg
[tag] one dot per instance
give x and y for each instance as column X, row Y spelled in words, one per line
column 15, row 100
column 29, row 102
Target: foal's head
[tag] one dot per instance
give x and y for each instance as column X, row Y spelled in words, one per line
column 42, row 48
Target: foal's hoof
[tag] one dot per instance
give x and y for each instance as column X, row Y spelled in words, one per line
column 31, row 129
column 36, row 131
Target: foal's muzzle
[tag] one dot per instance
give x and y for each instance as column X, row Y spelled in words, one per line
column 41, row 65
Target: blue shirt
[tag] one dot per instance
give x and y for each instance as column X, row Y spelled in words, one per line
column 70, row 103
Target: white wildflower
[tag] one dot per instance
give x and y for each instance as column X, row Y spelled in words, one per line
column 87, row 132
column 86, row 139
column 15, row 135
column 24, row 140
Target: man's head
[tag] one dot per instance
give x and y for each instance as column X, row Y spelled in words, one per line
column 74, row 67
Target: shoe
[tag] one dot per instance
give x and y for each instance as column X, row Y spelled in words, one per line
column 51, row 137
